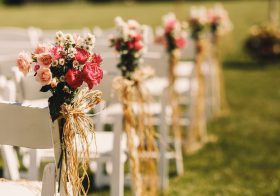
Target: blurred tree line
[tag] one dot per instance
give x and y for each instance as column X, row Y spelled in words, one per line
column 18, row 2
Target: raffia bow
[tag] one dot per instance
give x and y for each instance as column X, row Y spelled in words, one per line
column 133, row 91
column 75, row 142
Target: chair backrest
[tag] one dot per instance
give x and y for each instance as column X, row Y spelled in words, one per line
column 27, row 87
column 7, row 62
column 106, row 87
column 25, row 126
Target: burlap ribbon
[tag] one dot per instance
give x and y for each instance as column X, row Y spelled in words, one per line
column 197, row 134
column 220, row 103
column 173, row 61
column 77, row 127
column 141, row 158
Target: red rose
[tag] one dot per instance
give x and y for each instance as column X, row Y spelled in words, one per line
column 92, row 74
column 96, row 58
column 138, row 37
column 81, row 56
column 181, row 42
column 138, row 45
column 130, row 45
column 74, row 78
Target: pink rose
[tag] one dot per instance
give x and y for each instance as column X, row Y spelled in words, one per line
column 138, row 45
column 36, row 67
column 96, row 58
column 24, row 62
column 44, row 76
column 45, row 59
column 81, row 56
column 92, row 74
column 57, row 52
column 74, row 78
column 181, row 42
column 41, row 48
column 170, row 25
column 138, row 37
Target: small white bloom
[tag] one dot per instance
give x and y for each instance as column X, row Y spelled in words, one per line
column 61, row 61
column 59, row 35
column 76, row 64
column 55, row 63
column 62, row 78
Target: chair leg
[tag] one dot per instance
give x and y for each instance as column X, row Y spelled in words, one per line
column 179, row 156
column 99, row 174
column 117, row 179
column 33, row 172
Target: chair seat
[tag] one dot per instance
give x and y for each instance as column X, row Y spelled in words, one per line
column 184, row 68
column 20, row 188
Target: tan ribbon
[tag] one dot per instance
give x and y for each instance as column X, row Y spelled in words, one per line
column 197, row 134
column 173, row 61
column 76, row 129
column 220, row 103
column 141, row 158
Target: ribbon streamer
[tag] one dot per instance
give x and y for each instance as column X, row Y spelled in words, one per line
column 141, row 158
column 77, row 126
column 173, row 61
column 220, row 103
column 197, row 134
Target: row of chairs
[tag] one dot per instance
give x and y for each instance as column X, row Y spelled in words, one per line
column 112, row 154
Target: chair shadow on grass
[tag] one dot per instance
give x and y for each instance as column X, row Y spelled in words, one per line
column 248, row 65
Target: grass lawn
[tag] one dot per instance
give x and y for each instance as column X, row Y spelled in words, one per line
column 246, row 158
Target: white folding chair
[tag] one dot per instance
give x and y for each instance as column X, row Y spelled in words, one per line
column 20, row 128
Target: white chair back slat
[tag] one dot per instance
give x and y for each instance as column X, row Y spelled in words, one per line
column 25, row 126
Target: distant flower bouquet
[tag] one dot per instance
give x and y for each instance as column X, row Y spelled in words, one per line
column 128, row 42
column 63, row 67
column 219, row 20
column 175, row 37
column 263, row 43
column 198, row 21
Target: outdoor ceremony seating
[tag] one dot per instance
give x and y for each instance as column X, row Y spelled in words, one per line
column 31, row 134
column 113, row 153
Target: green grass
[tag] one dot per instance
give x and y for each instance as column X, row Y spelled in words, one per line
column 246, row 158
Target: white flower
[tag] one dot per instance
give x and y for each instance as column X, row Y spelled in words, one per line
column 62, row 78
column 133, row 24
column 55, row 63
column 119, row 21
column 69, row 39
column 75, row 64
column 59, row 35
column 61, row 61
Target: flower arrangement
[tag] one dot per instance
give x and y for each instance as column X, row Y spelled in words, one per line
column 219, row 20
column 63, row 67
column 175, row 36
column 69, row 70
column 263, row 43
column 128, row 42
column 198, row 21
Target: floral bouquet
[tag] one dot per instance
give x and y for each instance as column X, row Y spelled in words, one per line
column 263, row 43
column 219, row 20
column 174, row 34
column 63, row 68
column 198, row 21
column 128, row 42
